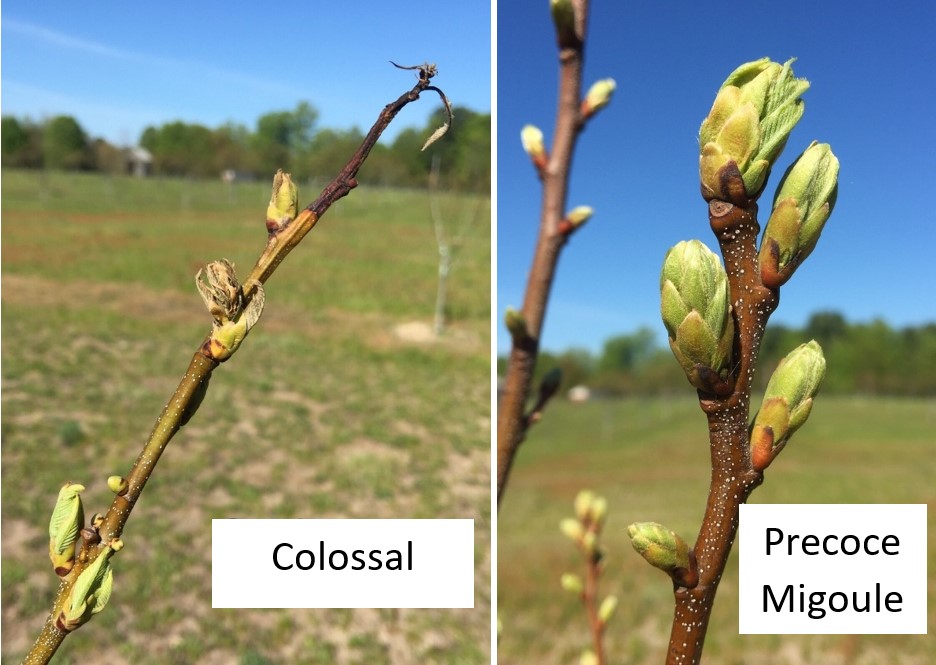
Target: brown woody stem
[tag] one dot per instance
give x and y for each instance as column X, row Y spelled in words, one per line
column 590, row 600
column 182, row 403
column 511, row 423
column 733, row 476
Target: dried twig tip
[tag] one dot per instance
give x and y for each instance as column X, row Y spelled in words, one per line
column 426, row 70
column 449, row 117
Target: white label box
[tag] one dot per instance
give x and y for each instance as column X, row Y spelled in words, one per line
column 835, row 569
column 342, row 563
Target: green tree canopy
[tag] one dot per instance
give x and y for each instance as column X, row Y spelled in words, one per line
column 182, row 149
column 465, row 151
column 283, row 137
column 329, row 150
column 64, row 144
column 627, row 352
column 22, row 143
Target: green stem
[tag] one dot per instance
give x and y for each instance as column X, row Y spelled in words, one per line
column 166, row 426
column 169, row 421
column 183, row 402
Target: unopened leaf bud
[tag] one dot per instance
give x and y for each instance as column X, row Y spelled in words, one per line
column 583, row 504
column 579, row 215
column 224, row 299
column 90, row 536
column 588, row 657
column 64, row 528
column 532, row 139
column 696, row 310
column 118, row 485
column 607, row 608
column 91, row 591
column 661, row 547
column 803, row 203
column 787, row 401
column 745, row 131
column 563, row 13
column 516, row 325
column 599, row 510
column 599, row 96
column 572, row 583
column 574, row 219
column 284, row 202
column 549, row 385
column 572, row 529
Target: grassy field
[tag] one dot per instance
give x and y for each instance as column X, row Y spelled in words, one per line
column 337, row 405
column 650, row 459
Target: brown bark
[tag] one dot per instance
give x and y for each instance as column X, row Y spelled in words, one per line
column 733, row 475
column 512, row 423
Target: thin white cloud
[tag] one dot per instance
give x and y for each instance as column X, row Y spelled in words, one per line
column 53, row 37
column 57, row 38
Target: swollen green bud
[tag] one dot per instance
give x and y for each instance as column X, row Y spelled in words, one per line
column 64, row 527
column 572, row 583
column 662, row 548
column 599, row 510
column 754, row 112
column 284, row 202
column 606, row 610
column 588, row 657
column 516, row 325
column 532, row 139
column 579, row 215
column 91, row 591
column 696, row 310
column 787, row 401
column 583, row 504
column 599, row 96
column 223, row 297
column 803, row 203
column 118, row 485
column 797, row 379
column 572, row 529
column 563, row 13
column 573, row 220
column 550, row 384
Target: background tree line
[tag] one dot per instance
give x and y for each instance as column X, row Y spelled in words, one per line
column 290, row 140
column 865, row 358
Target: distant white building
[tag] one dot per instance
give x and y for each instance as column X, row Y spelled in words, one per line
column 231, row 175
column 579, row 394
column 138, row 161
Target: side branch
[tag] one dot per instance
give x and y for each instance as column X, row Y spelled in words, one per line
column 596, row 625
column 733, row 476
column 193, row 386
column 512, row 424
column 345, row 181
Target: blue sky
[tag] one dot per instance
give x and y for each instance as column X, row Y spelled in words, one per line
column 873, row 72
column 119, row 66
